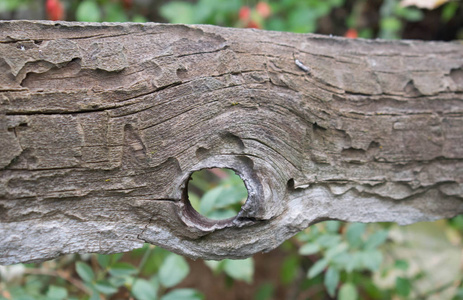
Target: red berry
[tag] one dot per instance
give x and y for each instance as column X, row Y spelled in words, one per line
column 351, row 33
column 55, row 10
column 263, row 9
column 244, row 13
column 252, row 24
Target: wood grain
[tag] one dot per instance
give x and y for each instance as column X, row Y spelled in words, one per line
column 101, row 126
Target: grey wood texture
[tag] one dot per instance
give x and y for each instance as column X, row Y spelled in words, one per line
column 101, row 126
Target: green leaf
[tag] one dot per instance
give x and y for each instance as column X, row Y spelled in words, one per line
column 403, row 286
column 178, row 12
column 289, row 269
column 173, row 270
column 240, row 269
column 183, row 294
column 332, row 226
column 328, row 240
column 115, row 13
column 214, row 265
column 335, row 251
column 56, row 293
column 355, row 263
column 139, row 19
column 95, row 296
column 372, row 259
column 265, row 292
column 207, row 203
column 221, row 214
column 85, row 271
column 88, row 11
column 449, row 10
column 116, row 257
column 317, row 268
column 401, row 264
column 354, row 234
column 103, row 260
column 117, row 281
column 391, row 24
column 105, row 287
column 331, row 281
column 309, row 249
column 348, row 291
column 122, row 269
column 376, row 239
column 144, row 290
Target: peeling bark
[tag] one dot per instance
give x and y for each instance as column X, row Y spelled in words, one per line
column 101, row 126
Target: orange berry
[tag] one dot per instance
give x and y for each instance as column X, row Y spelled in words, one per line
column 263, row 9
column 244, row 13
column 55, row 10
column 351, row 33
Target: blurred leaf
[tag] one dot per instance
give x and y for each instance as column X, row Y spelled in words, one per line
column 309, row 249
column 409, row 14
column 116, row 257
column 265, row 292
column 85, row 271
column 122, row 269
column 342, row 260
column 183, row 294
column 331, row 280
column 139, row 19
column 401, row 264
column 117, row 281
column 173, row 270
column 115, row 13
column 354, row 234
column 328, row 240
column 178, row 12
column 355, row 263
column 88, row 11
column 376, row 239
column 348, row 291
column 103, row 260
column 209, row 199
column 105, row 287
column 332, row 226
column 155, row 260
column 214, row 265
column 317, row 268
column 459, row 294
column 449, row 11
column 242, row 269
column 56, row 293
column 391, row 24
column 144, row 290
column 221, row 214
column 95, row 296
column 372, row 259
column 289, row 269
column 194, row 201
column 277, row 24
column 403, row 286
column 334, row 251
column 302, row 20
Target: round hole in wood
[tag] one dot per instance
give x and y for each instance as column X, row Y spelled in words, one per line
column 217, row 193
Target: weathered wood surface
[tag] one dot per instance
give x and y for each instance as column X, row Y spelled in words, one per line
column 102, row 124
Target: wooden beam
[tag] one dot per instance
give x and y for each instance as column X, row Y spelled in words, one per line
column 101, row 126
